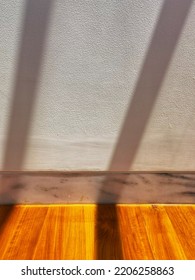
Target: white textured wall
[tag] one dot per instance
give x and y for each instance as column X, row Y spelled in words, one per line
column 93, row 55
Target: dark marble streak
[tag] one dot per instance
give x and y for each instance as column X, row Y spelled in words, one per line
column 84, row 187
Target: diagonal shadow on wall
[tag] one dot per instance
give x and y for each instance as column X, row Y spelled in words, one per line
column 163, row 43
column 35, row 25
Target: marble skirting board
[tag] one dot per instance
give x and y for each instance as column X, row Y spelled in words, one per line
column 96, row 187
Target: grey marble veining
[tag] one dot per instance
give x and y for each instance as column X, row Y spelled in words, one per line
column 41, row 188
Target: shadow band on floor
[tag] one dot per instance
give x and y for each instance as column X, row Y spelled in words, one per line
column 161, row 49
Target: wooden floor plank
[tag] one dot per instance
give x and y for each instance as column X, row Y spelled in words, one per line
column 183, row 219
column 97, row 232
column 133, row 232
column 162, row 235
column 21, row 232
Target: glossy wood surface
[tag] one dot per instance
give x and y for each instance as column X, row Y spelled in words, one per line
column 97, row 232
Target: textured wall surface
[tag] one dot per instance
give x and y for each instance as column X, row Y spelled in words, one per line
column 97, row 85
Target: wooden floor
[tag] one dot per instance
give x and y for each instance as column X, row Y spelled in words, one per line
column 97, row 232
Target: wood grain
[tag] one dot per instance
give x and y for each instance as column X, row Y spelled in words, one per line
column 97, row 232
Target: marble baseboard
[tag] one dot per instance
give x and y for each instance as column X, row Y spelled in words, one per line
column 96, row 187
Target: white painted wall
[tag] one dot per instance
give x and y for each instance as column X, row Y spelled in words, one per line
column 92, row 60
